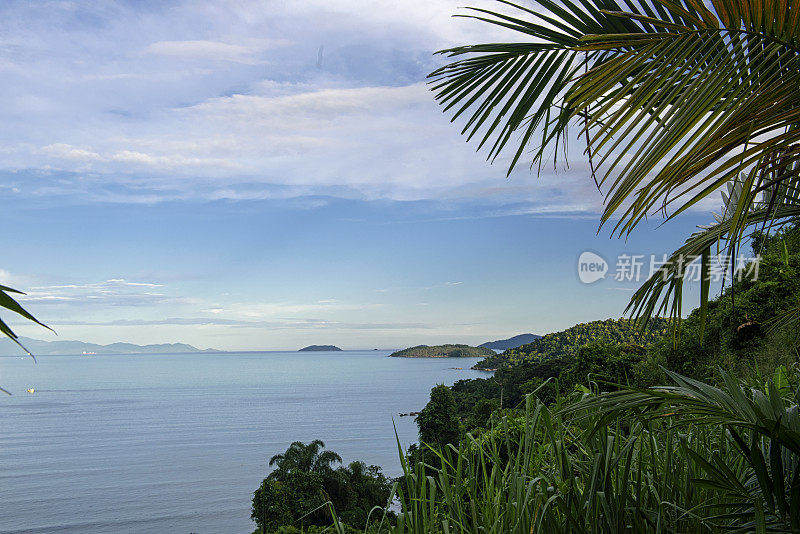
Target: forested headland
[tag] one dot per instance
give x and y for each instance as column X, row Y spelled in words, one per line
column 442, row 351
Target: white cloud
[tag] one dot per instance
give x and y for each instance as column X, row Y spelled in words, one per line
column 68, row 152
column 428, row 22
column 319, row 105
column 224, row 100
column 113, row 292
column 365, row 142
column 87, row 159
column 214, row 100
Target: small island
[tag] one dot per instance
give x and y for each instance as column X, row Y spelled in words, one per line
column 443, row 351
column 320, row 348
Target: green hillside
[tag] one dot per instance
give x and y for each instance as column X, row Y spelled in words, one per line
column 443, row 351
column 566, row 342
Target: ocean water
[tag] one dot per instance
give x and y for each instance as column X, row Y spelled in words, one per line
column 177, row 443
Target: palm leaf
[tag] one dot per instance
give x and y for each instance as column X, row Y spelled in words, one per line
column 768, row 491
column 7, row 302
column 675, row 99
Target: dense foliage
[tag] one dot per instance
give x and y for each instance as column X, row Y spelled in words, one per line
column 743, row 329
column 438, row 424
column 304, row 489
column 689, row 458
column 565, row 343
column 438, row 421
column 581, row 443
column 740, row 334
column 443, row 351
column 601, row 363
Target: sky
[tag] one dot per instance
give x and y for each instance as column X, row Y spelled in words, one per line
column 265, row 175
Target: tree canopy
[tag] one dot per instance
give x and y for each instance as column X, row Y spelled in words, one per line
column 438, row 421
column 308, row 458
column 305, row 488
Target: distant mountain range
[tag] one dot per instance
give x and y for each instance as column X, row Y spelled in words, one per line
column 511, row 343
column 39, row 347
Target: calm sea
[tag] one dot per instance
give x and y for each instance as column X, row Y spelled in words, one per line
column 177, row 443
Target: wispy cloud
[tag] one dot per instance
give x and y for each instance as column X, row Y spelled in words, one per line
column 228, row 100
column 112, row 292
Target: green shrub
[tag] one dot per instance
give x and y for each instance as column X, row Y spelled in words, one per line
column 686, row 458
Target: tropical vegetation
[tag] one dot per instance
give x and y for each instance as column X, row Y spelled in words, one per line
column 565, row 342
column 686, row 458
column 702, row 435
column 742, row 334
column 304, row 489
column 442, row 351
column 601, row 446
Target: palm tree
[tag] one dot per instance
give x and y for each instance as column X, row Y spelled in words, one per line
column 306, row 458
column 673, row 100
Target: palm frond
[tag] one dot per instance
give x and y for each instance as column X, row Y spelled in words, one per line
column 8, row 302
column 762, row 423
column 675, row 99
column 661, row 294
column 517, row 88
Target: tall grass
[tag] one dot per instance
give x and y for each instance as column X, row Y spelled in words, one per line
column 685, row 458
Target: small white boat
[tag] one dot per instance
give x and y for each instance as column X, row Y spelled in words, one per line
column 31, row 390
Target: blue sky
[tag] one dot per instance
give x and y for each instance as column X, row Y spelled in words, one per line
column 267, row 175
